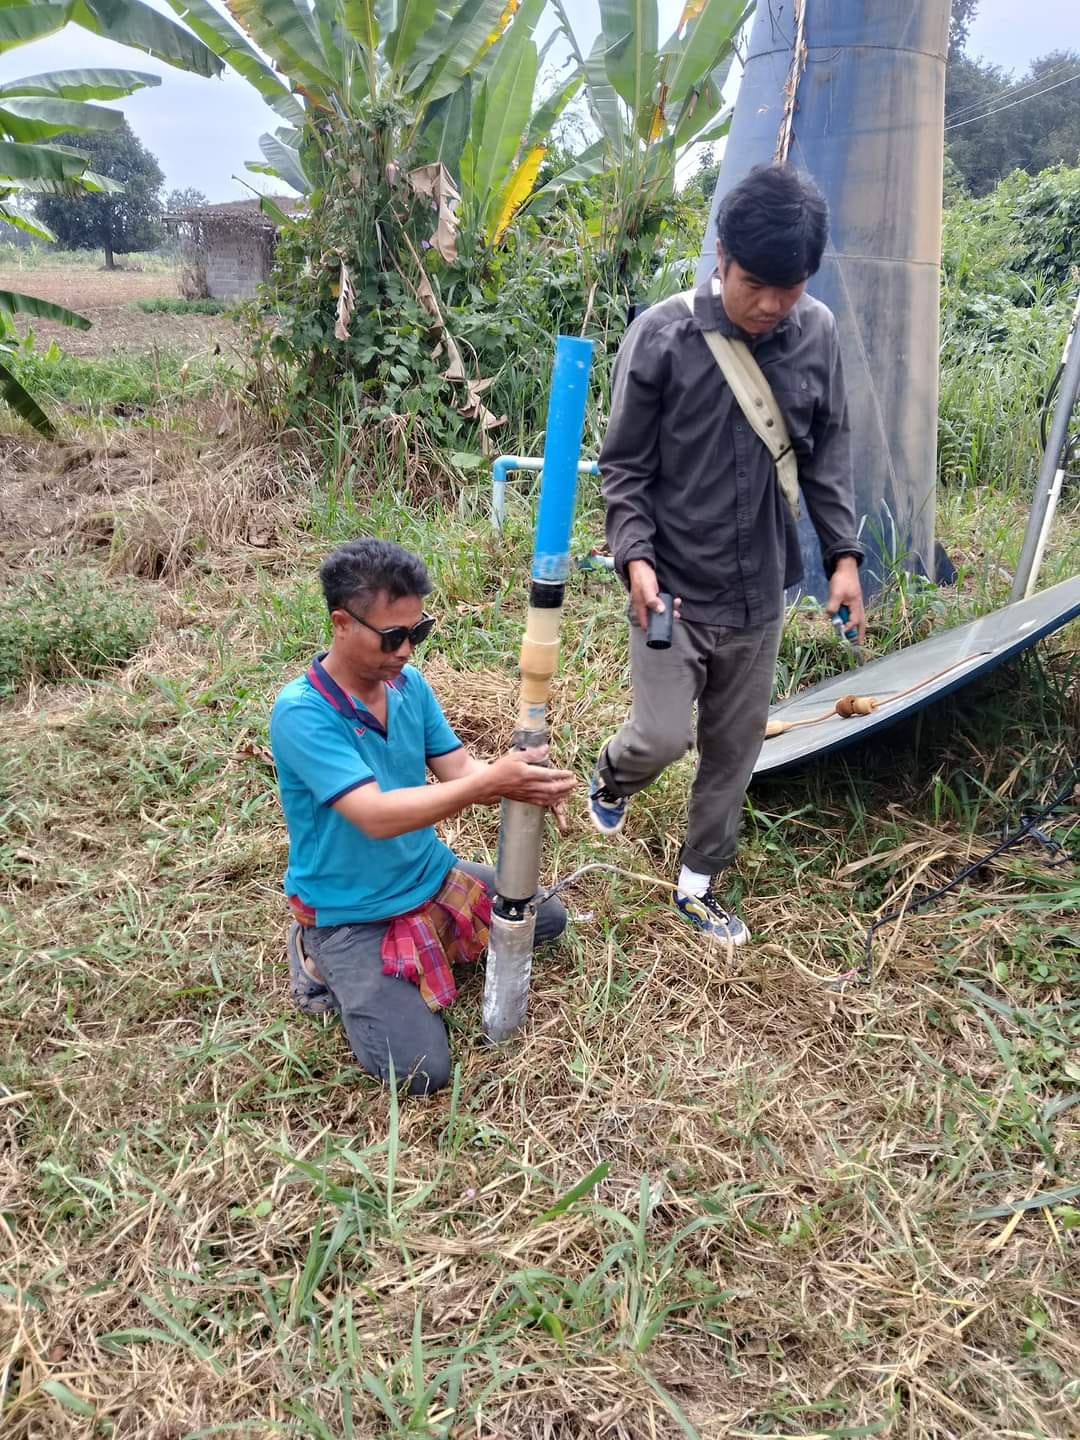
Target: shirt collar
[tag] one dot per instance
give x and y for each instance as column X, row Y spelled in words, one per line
column 324, row 683
column 710, row 314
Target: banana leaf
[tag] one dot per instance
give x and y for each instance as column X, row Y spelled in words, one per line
column 39, row 231
column 39, row 162
column 229, row 45
column 446, row 125
column 708, row 37
column 129, row 22
column 28, row 119
column 13, row 303
column 285, row 163
column 439, row 75
column 22, row 402
column 630, row 33
column 412, row 20
column 282, row 30
column 22, row 23
column 81, row 84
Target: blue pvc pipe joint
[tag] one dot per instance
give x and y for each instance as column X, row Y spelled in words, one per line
column 562, row 446
column 501, row 470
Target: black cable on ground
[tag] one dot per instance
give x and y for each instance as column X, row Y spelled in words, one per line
column 1028, row 827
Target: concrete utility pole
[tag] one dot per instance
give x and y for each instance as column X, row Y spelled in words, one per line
column 852, row 93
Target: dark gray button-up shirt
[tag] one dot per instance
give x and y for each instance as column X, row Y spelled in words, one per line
column 688, row 484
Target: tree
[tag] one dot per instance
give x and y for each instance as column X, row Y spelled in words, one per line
column 703, row 181
column 407, row 85
column 960, row 18
column 116, row 223
column 186, row 199
column 994, row 125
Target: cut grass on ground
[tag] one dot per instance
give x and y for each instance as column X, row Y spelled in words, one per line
column 702, row 1193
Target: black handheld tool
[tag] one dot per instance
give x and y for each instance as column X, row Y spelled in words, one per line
column 658, row 635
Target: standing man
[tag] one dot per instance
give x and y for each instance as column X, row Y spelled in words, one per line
column 383, row 909
column 695, row 508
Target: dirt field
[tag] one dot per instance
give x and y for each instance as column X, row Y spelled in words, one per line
column 105, row 297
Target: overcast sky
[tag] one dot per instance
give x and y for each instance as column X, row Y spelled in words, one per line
column 202, row 131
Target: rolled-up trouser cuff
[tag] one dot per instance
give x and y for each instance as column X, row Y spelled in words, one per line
column 703, row 864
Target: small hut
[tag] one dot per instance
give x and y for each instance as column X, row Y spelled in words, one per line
column 225, row 251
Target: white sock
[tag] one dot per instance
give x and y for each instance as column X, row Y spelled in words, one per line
column 691, row 882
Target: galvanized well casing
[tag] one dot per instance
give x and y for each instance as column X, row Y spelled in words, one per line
column 868, row 128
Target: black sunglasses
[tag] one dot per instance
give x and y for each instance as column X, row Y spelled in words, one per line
column 395, row 636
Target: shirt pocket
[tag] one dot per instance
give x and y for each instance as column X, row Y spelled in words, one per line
column 797, row 400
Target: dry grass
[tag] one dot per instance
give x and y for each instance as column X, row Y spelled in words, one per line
column 214, row 1225
column 153, row 504
column 105, row 298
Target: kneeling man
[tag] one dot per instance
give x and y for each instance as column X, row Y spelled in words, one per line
column 382, row 907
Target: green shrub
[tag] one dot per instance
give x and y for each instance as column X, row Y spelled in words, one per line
column 1006, row 299
column 59, row 624
column 175, row 305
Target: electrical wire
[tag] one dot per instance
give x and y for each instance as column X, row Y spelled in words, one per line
column 1028, row 827
column 998, row 108
column 1008, row 92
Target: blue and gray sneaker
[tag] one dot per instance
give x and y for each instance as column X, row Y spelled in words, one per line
column 606, row 809
column 706, row 913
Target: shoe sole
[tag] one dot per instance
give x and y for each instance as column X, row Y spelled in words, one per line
column 313, row 1005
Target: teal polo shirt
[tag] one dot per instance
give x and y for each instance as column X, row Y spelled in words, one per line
column 325, row 745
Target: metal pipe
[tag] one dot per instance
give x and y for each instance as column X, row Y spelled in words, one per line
column 864, row 104
column 501, row 469
column 517, row 870
column 1052, row 469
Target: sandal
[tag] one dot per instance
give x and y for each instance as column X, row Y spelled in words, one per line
column 310, row 996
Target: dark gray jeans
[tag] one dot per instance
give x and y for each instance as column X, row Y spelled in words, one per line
column 385, row 1018
column 728, row 673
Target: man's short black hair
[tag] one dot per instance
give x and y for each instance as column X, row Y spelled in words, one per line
column 356, row 573
column 775, row 224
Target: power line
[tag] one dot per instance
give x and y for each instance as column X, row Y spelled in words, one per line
column 1009, row 90
column 997, row 108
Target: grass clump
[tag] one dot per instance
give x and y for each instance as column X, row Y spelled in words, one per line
column 58, row 624
column 176, row 305
column 121, row 387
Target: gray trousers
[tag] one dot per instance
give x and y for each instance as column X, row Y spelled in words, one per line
column 386, row 1018
column 728, row 673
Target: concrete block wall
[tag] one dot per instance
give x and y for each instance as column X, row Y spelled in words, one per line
column 234, row 267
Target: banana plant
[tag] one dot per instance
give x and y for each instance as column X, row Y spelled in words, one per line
column 430, row 81
column 507, row 141
column 35, row 109
column 648, row 102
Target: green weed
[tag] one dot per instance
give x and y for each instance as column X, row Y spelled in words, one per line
column 58, row 624
column 175, row 305
column 122, row 389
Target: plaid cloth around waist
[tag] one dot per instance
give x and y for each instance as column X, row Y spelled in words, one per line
column 424, row 944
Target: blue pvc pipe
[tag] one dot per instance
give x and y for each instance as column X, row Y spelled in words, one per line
column 562, row 445
column 502, row 468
